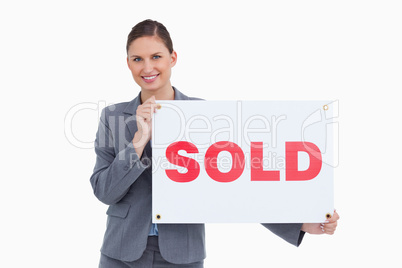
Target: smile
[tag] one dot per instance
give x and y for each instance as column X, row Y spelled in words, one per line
column 150, row 79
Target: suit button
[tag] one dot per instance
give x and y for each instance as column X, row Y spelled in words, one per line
column 125, row 168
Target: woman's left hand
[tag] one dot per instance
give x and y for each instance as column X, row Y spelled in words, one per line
column 327, row 227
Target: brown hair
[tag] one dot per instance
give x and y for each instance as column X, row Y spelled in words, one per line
column 150, row 28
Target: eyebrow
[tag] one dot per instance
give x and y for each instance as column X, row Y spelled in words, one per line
column 135, row 56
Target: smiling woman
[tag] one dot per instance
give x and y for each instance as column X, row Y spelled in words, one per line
column 150, row 57
column 122, row 177
column 150, row 63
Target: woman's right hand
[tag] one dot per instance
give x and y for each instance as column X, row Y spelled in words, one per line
column 144, row 124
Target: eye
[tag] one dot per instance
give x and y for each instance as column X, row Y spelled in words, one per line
column 137, row 59
column 156, row 57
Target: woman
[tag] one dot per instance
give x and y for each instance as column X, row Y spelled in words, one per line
column 122, row 175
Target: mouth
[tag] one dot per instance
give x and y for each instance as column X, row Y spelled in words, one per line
column 149, row 79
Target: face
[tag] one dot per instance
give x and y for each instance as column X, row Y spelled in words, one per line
column 150, row 63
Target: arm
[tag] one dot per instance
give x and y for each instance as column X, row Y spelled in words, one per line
column 290, row 232
column 113, row 174
column 294, row 232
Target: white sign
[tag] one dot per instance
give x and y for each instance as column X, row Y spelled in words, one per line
column 242, row 161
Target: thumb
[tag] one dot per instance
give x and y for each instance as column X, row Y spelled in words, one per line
column 334, row 217
column 150, row 100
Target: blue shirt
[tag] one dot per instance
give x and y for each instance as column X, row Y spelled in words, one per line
column 154, row 230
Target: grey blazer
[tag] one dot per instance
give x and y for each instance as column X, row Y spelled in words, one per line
column 124, row 182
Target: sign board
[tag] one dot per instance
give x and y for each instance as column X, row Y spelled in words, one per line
column 242, row 161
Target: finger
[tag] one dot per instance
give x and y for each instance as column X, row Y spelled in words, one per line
column 150, row 100
column 330, row 223
column 144, row 114
column 155, row 107
column 150, row 105
column 146, row 106
column 329, row 228
column 146, row 110
column 335, row 217
column 322, row 227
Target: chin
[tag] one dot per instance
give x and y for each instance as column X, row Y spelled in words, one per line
column 151, row 88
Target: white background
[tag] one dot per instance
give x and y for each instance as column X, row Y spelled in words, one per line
column 57, row 54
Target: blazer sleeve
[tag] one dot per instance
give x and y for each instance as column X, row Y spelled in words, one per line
column 113, row 174
column 290, row 232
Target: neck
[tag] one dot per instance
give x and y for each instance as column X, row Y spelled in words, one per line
column 166, row 94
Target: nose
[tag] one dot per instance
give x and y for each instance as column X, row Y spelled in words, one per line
column 148, row 67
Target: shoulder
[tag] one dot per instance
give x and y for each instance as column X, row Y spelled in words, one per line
column 180, row 96
column 127, row 108
column 117, row 108
column 194, row 98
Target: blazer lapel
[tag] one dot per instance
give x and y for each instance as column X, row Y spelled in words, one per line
column 178, row 95
column 148, row 150
column 129, row 116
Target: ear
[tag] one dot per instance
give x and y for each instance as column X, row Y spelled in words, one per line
column 128, row 65
column 173, row 58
